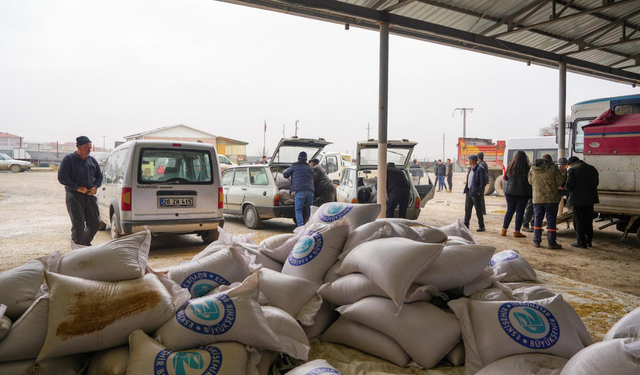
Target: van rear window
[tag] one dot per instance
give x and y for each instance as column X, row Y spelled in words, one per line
column 175, row 166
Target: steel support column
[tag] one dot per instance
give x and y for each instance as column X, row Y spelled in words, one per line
column 383, row 114
column 562, row 110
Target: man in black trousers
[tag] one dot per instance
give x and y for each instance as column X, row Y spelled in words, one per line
column 398, row 191
column 582, row 183
column 474, row 190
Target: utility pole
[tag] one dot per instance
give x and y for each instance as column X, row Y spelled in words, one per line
column 104, row 148
column 464, row 119
column 296, row 133
column 368, row 131
column 443, row 159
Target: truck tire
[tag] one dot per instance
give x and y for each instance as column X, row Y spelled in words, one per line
column 498, row 186
column 488, row 190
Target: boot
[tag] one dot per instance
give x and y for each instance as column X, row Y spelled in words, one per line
column 554, row 246
column 503, row 232
column 517, row 234
column 526, row 228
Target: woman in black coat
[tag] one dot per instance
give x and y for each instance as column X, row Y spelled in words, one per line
column 517, row 192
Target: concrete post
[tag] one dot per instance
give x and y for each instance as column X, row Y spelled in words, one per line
column 562, row 110
column 383, row 116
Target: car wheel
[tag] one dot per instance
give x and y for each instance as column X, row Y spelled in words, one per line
column 251, row 218
column 210, row 236
column 15, row 168
column 102, row 226
column 114, row 227
column 638, row 236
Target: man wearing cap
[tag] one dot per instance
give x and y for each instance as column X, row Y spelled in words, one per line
column 301, row 175
column 474, row 191
column 582, row 184
column 322, row 184
column 80, row 174
column 545, row 177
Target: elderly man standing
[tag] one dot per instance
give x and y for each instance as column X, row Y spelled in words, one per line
column 301, row 175
column 545, row 177
column 80, row 174
column 474, row 190
column 322, row 184
column 582, row 184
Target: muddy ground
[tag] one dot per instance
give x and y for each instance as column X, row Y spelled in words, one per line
column 34, row 222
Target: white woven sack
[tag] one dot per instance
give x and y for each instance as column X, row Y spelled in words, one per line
column 484, row 281
column 316, row 251
column 423, row 330
column 87, row 316
column 455, row 357
column 332, row 273
column 457, row 228
column 430, row 235
column 628, row 326
column 356, row 286
column 267, row 358
column 353, row 214
column 109, row 362
column 222, row 267
column 226, row 240
column 120, row 259
column 290, row 335
column 323, row 320
column 234, row 315
column 353, row 334
column 274, row 242
column 252, row 250
column 526, row 364
column 391, row 263
column 27, row 335
column 380, row 229
column 5, row 322
column 514, row 265
column 611, row 357
column 297, row 296
column 148, row 357
column 407, row 222
column 19, row 287
column 317, row 367
column 455, row 240
column 495, row 330
column 456, row 266
column 262, row 299
column 69, row 365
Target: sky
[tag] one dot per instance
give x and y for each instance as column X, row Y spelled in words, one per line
column 118, row 67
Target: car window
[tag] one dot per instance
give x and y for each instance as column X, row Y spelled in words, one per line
column 332, row 164
column 350, row 178
column 323, row 163
column 258, row 176
column 175, row 165
column 224, row 160
column 241, row 177
column 227, row 177
column 106, row 174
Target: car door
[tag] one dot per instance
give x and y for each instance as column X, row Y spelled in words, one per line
column 347, row 190
column 238, row 190
column 104, row 194
column 226, row 181
column 260, row 192
column 4, row 162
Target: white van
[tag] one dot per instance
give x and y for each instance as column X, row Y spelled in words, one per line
column 167, row 187
column 334, row 164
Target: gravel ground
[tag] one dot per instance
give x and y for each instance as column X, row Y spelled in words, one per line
column 34, row 222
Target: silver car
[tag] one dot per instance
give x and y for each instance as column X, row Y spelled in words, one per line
column 359, row 182
column 15, row 166
column 260, row 191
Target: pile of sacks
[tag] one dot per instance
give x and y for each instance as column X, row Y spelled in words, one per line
column 284, row 188
column 397, row 289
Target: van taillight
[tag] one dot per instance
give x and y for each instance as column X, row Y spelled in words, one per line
column 354, row 201
column 276, row 200
column 220, row 198
column 126, row 199
column 417, row 203
column 176, row 144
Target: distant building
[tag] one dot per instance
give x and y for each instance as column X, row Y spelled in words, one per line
column 10, row 141
column 231, row 148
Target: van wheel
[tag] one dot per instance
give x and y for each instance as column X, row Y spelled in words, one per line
column 210, row 236
column 498, row 186
column 114, row 227
column 488, row 190
column 251, row 218
column 15, row 168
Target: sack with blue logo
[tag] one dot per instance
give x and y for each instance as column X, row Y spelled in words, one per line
column 628, row 326
column 20, row 286
column 495, row 330
column 317, row 367
column 316, row 251
column 514, row 265
column 355, row 335
column 233, row 315
column 87, row 316
column 526, row 364
column 27, row 334
column 149, row 357
column 69, row 365
column 354, row 214
column 291, row 336
column 391, row 263
column 5, row 322
column 611, row 357
column 423, row 330
column 279, row 246
column 111, row 361
column 456, row 266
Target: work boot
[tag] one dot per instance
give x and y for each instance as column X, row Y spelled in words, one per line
column 536, row 244
column 517, row 234
column 554, row 246
column 503, row 232
column 525, row 228
column 576, row 244
column 589, row 244
column 480, row 229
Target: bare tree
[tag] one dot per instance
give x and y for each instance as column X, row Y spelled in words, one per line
column 551, row 128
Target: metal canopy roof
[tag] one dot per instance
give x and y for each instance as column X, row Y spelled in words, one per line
column 594, row 37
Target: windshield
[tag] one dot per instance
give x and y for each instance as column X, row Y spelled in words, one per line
column 289, row 154
column 224, row 160
column 399, row 156
column 175, row 166
column 579, row 142
column 5, row 157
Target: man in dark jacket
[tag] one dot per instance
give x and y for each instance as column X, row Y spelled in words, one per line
column 474, row 190
column 80, row 174
column 450, row 174
column 582, row 184
column 416, row 172
column 301, row 175
column 441, row 172
column 323, row 186
column 484, row 165
column 545, row 177
column 398, row 191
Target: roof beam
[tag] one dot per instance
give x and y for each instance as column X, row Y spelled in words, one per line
column 378, row 4
column 511, row 18
column 398, row 5
column 594, row 48
column 565, row 18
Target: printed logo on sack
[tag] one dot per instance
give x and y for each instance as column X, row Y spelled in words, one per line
column 201, row 361
column 323, row 370
column 333, row 212
column 529, row 325
column 201, row 283
column 214, row 315
column 307, row 248
column 503, row 257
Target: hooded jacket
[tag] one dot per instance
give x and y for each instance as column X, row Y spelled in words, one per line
column 545, row 177
column 582, row 183
column 301, row 175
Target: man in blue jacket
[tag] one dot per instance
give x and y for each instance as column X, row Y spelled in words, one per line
column 301, row 175
column 80, row 174
column 474, row 190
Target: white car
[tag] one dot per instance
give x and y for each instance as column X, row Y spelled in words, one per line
column 225, row 162
column 15, row 166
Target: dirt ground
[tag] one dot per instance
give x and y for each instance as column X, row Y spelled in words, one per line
column 34, row 222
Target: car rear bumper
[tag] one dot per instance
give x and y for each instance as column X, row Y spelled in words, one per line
column 173, row 226
column 270, row 212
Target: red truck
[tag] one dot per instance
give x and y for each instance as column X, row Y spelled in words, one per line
column 493, row 155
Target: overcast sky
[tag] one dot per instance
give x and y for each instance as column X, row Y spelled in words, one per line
column 118, row 67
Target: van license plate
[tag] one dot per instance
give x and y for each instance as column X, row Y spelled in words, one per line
column 175, row 202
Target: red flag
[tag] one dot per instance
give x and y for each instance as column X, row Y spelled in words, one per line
column 265, row 126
